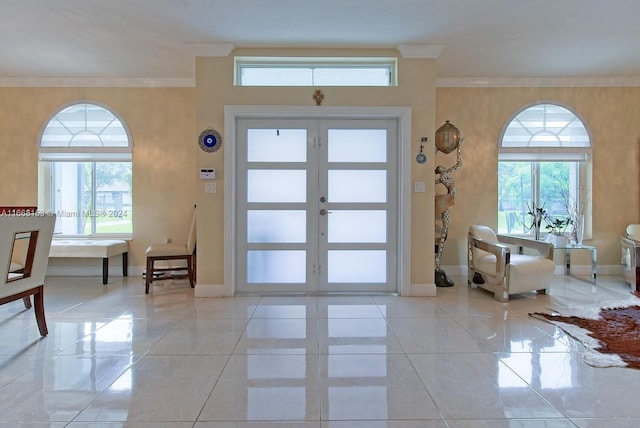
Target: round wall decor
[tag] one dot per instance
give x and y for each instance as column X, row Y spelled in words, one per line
column 210, row 140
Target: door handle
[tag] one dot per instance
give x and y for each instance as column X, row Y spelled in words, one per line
column 325, row 212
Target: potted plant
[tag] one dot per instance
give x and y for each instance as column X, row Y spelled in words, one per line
column 538, row 214
column 556, row 227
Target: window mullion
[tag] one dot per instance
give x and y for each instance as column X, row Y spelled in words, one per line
column 93, row 198
column 535, row 183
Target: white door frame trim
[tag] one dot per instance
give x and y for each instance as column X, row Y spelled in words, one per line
column 403, row 114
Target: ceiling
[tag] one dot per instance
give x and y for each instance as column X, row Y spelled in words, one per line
column 483, row 41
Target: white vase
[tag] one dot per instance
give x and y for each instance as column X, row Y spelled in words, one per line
column 577, row 230
column 561, row 241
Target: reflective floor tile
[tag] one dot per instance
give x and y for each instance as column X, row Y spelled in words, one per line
column 60, row 388
column 408, row 307
column 158, row 388
column 486, row 386
column 432, row 335
column 266, row 388
column 237, row 307
column 511, row 335
column 357, row 336
column 279, row 336
column 364, row 387
column 201, row 336
column 577, row 389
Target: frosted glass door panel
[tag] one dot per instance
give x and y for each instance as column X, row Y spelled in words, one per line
column 271, row 185
column 360, row 266
column 357, row 226
column 276, row 266
column 277, row 145
column 316, row 205
column 276, row 226
column 357, row 145
column 357, row 185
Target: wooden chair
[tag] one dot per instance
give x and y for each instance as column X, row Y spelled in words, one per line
column 35, row 233
column 170, row 252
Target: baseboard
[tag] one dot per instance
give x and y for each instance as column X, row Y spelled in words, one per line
column 423, row 290
column 455, row 270
column 209, row 290
column 114, row 271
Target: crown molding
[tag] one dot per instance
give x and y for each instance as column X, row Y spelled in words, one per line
column 441, row 82
column 420, row 51
column 210, row 49
column 537, row 82
column 109, row 82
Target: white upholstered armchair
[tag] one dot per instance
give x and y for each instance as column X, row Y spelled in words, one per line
column 495, row 263
column 25, row 278
column 630, row 244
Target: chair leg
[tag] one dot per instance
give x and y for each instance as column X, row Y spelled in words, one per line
column 27, row 302
column 149, row 275
column 501, row 294
column 190, row 271
column 38, row 303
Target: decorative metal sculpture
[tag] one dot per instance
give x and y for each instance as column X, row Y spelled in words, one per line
column 447, row 140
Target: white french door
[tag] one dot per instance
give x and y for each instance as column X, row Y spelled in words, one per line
column 316, row 205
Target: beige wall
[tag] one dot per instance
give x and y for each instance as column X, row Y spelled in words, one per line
column 611, row 115
column 162, row 123
column 215, row 89
column 165, row 123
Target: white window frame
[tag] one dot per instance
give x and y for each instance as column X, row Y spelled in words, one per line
column 75, row 141
column 557, row 148
column 389, row 64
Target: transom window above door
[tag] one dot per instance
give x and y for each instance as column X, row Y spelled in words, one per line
column 315, row 71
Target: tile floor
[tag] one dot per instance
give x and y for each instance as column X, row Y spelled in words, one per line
column 115, row 357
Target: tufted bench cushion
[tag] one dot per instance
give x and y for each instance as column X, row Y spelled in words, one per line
column 92, row 248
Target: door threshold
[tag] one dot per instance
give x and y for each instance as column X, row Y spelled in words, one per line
column 316, row 294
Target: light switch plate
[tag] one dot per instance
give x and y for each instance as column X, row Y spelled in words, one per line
column 210, row 188
column 418, row 187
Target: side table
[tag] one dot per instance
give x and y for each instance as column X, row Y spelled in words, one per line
column 567, row 256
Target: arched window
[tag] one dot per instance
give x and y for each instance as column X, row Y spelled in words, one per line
column 544, row 161
column 85, row 171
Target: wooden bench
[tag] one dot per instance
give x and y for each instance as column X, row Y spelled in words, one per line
column 92, row 248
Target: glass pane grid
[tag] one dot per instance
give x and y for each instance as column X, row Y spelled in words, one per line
column 84, row 125
column 276, row 145
column 357, row 266
column 276, row 266
column 546, row 125
column 92, row 197
column 357, row 226
column 276, row 226
column 276, row 185
column 357, row 145
column 357, row 186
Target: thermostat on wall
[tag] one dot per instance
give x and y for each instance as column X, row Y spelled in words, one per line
column 207, row 174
